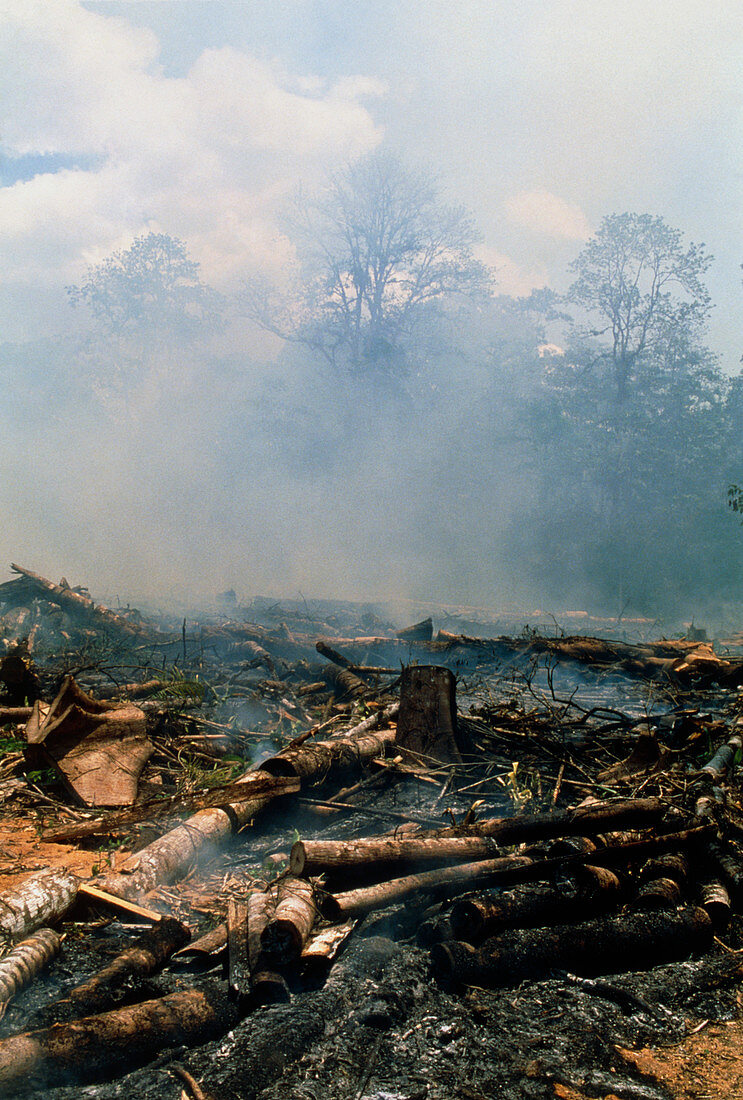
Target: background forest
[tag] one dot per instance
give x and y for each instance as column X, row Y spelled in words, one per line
column 411, row 430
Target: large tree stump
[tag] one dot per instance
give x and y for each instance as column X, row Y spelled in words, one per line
column 427, row 722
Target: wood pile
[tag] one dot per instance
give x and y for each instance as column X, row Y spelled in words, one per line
column 523, row 838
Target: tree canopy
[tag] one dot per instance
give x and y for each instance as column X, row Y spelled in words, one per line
column 152, row 287
column 642, row 287
column 379, row 252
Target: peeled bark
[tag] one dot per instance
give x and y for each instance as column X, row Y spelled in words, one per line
column 354, row 903
column 21, row 965
column 40, row 899
column 98, row 1048
column 605, row 946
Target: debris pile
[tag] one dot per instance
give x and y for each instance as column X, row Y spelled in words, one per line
column 453, row 846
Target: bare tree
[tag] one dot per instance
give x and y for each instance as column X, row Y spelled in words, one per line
column 379, row 252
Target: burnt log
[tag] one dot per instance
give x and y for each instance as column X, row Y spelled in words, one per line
column 98, row 1048
column 475, row 919
column 238, row 963
column 172, row 855
column 418, row 632
column 606, row 946
column 657, row 893
column 151, row 951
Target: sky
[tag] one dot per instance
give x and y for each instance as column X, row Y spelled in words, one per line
column 198, row 118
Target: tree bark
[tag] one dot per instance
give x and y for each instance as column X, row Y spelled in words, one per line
column 316, row 761
column 288, row 928
column 427, row 722
column 38, row 900
column 21, row 965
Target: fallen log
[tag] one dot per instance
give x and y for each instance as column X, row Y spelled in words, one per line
column 345, row 684
column 583, row 820
column 148, row 955
column 97, row 1048
column 314, row 857
column 21, row 965
column 609, row 945
column 316, row 760
column 14, row 714
column 718, row 766
column 172, row 855
column 475, row 919
column 657, row 893
column 288, row 928
column 267, row 985
column 355, row 903
column 76, row 602
column 38, row 900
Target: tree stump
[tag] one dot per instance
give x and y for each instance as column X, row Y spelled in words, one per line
column 427, row 722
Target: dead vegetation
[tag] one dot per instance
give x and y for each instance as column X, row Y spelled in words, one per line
column 321, row 857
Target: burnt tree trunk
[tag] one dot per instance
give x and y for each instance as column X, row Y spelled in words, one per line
column 427, row 722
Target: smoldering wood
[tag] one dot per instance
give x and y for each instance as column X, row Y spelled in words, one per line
column 317, row 760
column 205, row 947
column 355, row 903
column 571, row 846
column 427, row 722
column 99, row 749
column 176, row 806
column 288, row 928
column 40, row 899
column 609, row 945
column 172, row 855
column 24, row 961
column 692, row 839
column 727, row 864
column 97, row 1048
column 313, row 857
column 145, row 957
column 267, row 985
column 475, row 919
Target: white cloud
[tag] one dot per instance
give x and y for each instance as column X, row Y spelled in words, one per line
column 510, row 277
column 208, row 157
column 543, row 212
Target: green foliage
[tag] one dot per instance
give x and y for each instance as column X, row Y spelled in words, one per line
column 735, row 500
column 643, row 289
